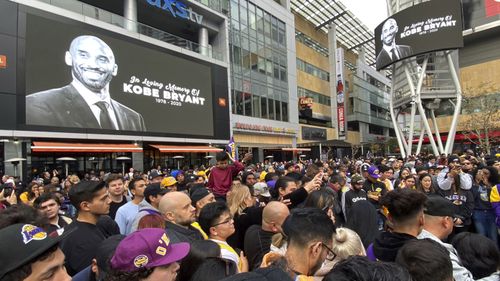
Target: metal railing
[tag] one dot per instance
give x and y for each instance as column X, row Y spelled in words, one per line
column 114, row 19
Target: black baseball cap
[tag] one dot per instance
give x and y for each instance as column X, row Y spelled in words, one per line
column 439, row 206
column 154, row 189
column 22, row 243
column 453, row 158
column 105, row 252
column 154, row 174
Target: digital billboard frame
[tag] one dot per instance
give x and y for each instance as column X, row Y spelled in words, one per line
column 423, row 28
column 218, row 116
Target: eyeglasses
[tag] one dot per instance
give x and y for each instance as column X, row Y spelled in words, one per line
column 228, row 221
column 331, row 255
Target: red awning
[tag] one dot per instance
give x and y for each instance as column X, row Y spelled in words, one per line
column 179, row 148
column 40, row 146
column 295, row 149
column 458, row 137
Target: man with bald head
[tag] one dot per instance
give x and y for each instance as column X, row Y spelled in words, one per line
column 258, row 238
column 86, row 101
column 179, row 214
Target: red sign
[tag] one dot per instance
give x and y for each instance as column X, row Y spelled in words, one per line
column 341, row 117
column 492, row 7
column 3, row 61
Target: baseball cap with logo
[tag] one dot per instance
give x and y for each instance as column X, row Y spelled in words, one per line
column 22, row 243
column 261, row 189
column 154, row 174
column 147, row 248
column 373, row 172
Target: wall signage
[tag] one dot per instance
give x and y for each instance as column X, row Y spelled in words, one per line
column 177, row 9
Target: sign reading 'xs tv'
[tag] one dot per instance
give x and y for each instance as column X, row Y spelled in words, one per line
column 177, row 9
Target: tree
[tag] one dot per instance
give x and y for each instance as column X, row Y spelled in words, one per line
column 482, row 106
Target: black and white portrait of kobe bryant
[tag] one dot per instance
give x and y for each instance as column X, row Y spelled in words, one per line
column 85, row 102
column 390, row 51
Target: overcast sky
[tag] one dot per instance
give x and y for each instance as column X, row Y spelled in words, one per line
column 370, row 12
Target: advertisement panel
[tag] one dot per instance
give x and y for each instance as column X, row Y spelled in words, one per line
column 79, row 76
column 314, row 134
column 426, row 27
column 340, row 94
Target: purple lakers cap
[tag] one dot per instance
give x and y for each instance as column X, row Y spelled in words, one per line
column 147, row 248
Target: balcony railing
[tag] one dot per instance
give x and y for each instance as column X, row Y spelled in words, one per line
column 108, row 17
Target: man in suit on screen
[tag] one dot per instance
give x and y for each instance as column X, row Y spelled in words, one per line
column 390, row 51
column 86, row 101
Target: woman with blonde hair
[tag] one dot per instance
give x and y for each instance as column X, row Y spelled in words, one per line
column 345, row 243
column 239, row 199
column 242, row 207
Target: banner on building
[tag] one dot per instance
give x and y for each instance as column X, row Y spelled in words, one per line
column 340, row 94
column 232, row 150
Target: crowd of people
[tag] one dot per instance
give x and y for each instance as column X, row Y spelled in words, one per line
column 423, row 218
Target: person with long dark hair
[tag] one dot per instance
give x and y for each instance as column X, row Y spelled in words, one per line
column 484, row 215
column 425, row 184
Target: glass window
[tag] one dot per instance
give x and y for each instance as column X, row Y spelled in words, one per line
column 263, row 107
column 234, row 11
column 233, row 101
column 270, row 107
column 243, row 13
column 256, row 106
column 277, row 109
column 239, row 102
column 274, row 29
column 247, row 104
column 267, row 26
column 284, row 111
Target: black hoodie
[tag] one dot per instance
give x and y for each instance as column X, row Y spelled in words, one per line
column 387, row 245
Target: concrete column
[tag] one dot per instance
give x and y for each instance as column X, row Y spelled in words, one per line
column 138, row 159
column 130, row 14
column 203, row 41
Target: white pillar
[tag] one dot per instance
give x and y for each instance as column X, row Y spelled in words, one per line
column 130, row 14
column 203, row 41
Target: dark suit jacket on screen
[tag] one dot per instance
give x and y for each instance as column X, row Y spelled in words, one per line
column 65, row 107
column 383, row 58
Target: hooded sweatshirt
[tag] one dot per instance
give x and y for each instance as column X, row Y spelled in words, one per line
column 144, row 209
column 387, row 245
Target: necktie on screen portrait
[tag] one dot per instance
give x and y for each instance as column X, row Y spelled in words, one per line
column 394, row 54
column 104, row 119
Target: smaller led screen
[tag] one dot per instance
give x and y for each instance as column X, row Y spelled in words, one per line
column 430, row 26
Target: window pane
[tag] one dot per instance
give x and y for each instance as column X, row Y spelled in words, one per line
column 270, row 107
column 284, row 111
column 263, row 107
column 248, row 104
column 256, row 106
column 277, row 109
column 239, row 102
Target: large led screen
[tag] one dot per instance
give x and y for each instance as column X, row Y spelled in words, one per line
column 78, row 76
column 426, row 27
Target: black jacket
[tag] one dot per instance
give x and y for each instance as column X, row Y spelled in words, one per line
column 178, row 233
column 387, row 245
